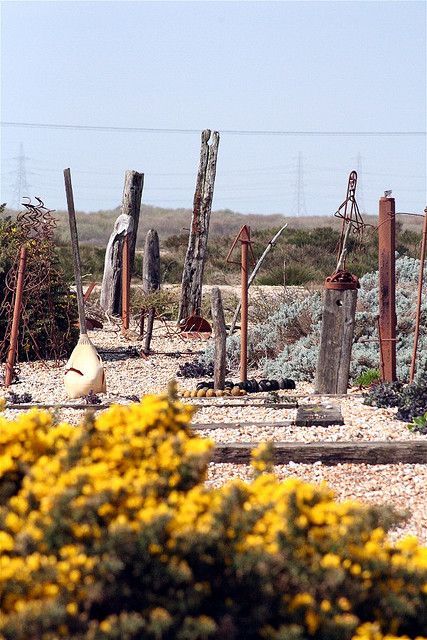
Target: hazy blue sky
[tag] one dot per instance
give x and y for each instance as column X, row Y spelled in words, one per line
column 246, row 66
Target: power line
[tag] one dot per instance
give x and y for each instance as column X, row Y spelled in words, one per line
column 240, row 132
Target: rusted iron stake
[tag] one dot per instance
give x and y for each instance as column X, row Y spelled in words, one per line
column 125, row 283
column 89, row 290
column 16, row 315
column 420, row 290
column 387, row 285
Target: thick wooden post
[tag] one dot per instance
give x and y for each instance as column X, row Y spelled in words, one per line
column 151, row 263
column 111, row 288
column 220, row 332
column 131, row 206
column 150, row 282
column 339, row 310
column 387, row 285
column 192, row 276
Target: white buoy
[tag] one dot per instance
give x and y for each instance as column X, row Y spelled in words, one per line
column 84, row 372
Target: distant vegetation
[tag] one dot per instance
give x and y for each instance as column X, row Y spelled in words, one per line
column 308, row 245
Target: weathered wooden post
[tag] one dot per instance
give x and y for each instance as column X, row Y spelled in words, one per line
column 150, row 282
column 131, row 206
column 339, row 310
column 10, row 363
column 111, row 288
column 387, row 285
column 192, row 276
column 126, row 223
column 220, row 332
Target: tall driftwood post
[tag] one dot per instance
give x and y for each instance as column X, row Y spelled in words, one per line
column 220, row 332
column 333, row 365
column 131, row 206
column 192, row 276
column 111, row 288
column 150, row 281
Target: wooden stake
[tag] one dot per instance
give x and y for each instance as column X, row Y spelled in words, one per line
column 220, row 332
column 387, row 285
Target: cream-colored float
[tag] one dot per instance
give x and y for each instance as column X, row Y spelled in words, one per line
column 84, row 372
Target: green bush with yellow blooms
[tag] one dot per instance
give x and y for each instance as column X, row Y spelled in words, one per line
column 109, row 531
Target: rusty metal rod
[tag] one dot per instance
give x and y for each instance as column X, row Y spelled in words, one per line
column 89, row 290
column 125, row 283
column 16, row 315
column 244, row 313
column 420, row 291
column 387, row 285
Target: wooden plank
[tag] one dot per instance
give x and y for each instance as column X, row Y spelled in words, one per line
column 310, row 415
column 339, row 309
column 330, row 453
column 210, row 426
column 261, row 405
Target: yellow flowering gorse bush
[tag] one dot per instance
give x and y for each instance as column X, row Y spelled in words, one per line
column 108, row 530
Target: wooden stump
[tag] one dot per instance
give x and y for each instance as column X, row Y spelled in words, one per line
column 333, row 366
column 151, row 263
column 220, row 332
column 192, row 276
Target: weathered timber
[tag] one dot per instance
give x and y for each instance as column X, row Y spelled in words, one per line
column 151, row 263
column 222, row 405
column 329, row 453
column 220, row 332
column 252, row 277
column 111, row 288
column 387, row 286
column 310, row 415
column 333, row 365
column 192, row 276
column 211, row 426
column 131, row 206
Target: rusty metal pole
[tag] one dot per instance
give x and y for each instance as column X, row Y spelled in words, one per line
column 387, row 285
column 16, row 315
column 420, row 290
column 244, row 312
column 125, row 283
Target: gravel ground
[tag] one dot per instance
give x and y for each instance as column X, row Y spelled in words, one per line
column 403, row 486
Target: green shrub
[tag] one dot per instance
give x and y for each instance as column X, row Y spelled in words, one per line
column 49, row 311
